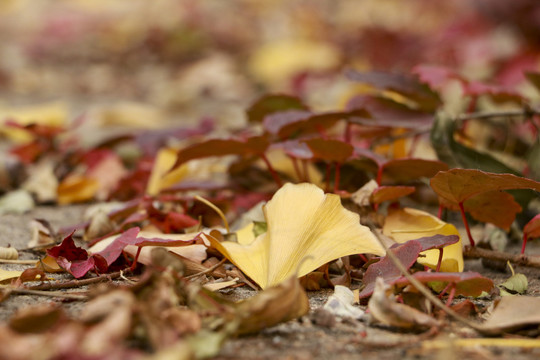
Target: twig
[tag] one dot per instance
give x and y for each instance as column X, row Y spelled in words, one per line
column 209, row 270
column 75, row 283
column 491, row 114
column 19, row 262
column 476, row 253
column 427, row 293
column 58, row 294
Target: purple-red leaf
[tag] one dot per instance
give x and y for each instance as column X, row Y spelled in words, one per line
column 330, row 150
column 273, row 103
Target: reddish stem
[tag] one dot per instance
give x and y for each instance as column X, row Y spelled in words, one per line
column 445, row 290
column 439, row 214
column 363, row 257
column 273, row 172
column 451, row 295
column 327, row 177
column 439, row 262
column 462, row 210
column 524, row 244
column 134, row 264
column 337, row 177
column 379, row 175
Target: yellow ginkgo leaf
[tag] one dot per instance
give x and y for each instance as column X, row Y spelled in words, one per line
column 306, row 229
column 160, row 177
column 408, row 224
column 7, row 275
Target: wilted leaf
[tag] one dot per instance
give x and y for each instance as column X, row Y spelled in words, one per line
column 306, row 229
column 16, row 202
column 8, row 253
column 458, row 185
column 386, row 310
column 516, row 284
column 7, row 275
column 513, row 313
column 274, row 305
column 341, row 303
column 407, row 224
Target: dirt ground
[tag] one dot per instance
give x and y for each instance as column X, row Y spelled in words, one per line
column 318, row 335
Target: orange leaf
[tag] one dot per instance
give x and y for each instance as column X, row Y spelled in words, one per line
column 386, row 193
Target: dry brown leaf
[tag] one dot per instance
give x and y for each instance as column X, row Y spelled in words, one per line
column 386, row 310
column 514, row 312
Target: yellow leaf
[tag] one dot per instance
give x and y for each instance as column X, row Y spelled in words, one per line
column 276, row 62
column 408, row 224
column 54, row 114
column 306, row 229
column 161, row 178
column 6, row 275
column 77, row 188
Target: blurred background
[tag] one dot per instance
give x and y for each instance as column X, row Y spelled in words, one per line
column 149, row 63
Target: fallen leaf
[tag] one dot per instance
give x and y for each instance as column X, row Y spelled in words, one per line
column 77, row 188
column 513, row 313
column 161, row 176
column 341, row 302
column 16, row 202
column 7, row 275
column 330, row 150
column 387, row 311
column 408, row 169
column 306, row 229
column 8, row 253
column 274, row 305
column 407, row 224
column 516, row 284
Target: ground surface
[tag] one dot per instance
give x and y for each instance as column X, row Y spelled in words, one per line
column 315, row 336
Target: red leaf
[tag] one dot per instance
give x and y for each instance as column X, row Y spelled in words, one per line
column 274, row 122
column 316, row 123
column 330, row 150
column 386, row 112
column 435, row 76
column 407, row 253
column 68, row 250
column 532, row 228
column 129, row 237
column 458, row 185
column 272, row 103
column 411, row 169
column 467, row 283
column 255, row 145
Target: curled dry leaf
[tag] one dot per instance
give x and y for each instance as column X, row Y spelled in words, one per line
column 277, row 304
column 514, row 312
column 306, row 229
column 341, row 303
column 386, row 310
column 407, row 224
column 8, row 253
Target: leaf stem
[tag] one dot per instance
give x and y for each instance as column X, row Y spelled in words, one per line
column 273, row 171
column 524, row 243
column 439, row 261
column 216, row 209
column 466, row 223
